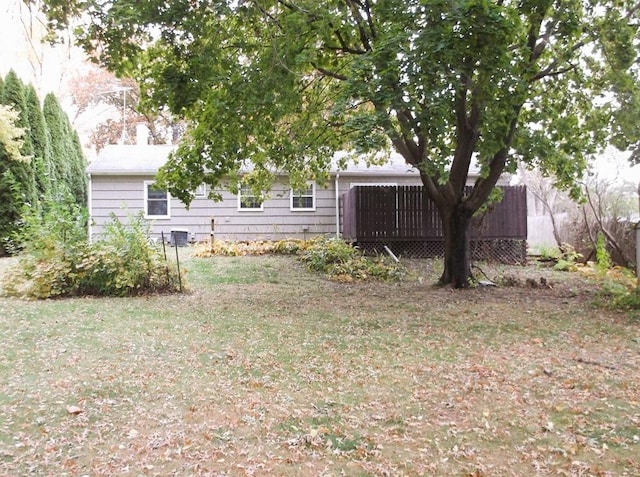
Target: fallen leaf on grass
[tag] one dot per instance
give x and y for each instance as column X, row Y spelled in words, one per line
column 74, row 410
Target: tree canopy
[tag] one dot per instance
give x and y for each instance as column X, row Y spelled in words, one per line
column 284, row 84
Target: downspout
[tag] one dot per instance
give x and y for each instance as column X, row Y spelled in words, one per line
column 90, row 209
column 337, row 205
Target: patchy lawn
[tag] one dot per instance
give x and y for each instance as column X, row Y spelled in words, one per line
column 266, row 369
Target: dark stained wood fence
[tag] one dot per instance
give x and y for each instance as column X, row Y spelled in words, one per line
column 389, row 215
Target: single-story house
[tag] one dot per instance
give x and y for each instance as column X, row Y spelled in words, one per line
column 121, row 180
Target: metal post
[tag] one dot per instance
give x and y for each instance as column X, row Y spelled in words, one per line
column 211, row 240
column 178, row 265
column 638, row 244
column 166, row 264
column 638, row 254
column 164, row 249
column 124, row 115
column 337, row 186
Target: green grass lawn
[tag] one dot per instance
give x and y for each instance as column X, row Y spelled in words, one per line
column 265, row 369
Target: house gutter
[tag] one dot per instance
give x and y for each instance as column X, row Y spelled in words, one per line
column 337, row 205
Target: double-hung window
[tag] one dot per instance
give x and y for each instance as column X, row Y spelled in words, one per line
column 247, row 201
column 303, row 199
column 157, row 202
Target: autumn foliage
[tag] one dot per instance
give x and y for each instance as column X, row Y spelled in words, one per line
column 57, row 260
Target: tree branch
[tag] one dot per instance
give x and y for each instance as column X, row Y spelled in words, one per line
column 552, row 217
column 484, row 185
column 467, row 136
column 366, row 6
column 408, row 128
column 548, row 72
column 433, row 191
column 405, row 147
column 598, row 214
column 461, row 102
column 360, row 23
column 331, row 74
column 632, row 10
column 345, row 47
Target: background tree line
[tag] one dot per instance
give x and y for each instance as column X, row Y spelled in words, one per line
column 50, row 163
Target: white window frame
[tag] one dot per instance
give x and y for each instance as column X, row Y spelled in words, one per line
column 201, row 191
column 146, row 203
column 293, row 195
column 241, row 208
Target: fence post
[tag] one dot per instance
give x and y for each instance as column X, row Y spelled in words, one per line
column 638, row 254
column 211, row 238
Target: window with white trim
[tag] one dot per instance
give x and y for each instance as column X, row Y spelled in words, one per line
column 303, row 199
column 157, row 202
column 247, row 200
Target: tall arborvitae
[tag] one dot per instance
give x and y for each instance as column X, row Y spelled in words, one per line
column 8, row 212
column 17, row 178
column 13, row 95
column 5, row 191
column 68, row 164
column 79, row 183
column 41, row 141
column 75, row 162
column 53, row 118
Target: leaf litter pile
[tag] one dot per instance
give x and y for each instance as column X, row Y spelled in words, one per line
column 266, row 369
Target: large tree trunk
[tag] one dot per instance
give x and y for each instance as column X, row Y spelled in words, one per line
column 456, row 223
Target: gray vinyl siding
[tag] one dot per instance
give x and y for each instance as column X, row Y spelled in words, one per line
column 124, row 195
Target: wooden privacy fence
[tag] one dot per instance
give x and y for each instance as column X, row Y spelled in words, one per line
column 408, row 222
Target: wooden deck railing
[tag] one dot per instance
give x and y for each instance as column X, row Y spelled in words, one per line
column 375, row 213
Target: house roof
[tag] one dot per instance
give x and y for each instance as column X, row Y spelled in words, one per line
column 130, row 160
column 395, row 165
column 146, row 160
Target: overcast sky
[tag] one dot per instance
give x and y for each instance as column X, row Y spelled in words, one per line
column 45, row 67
